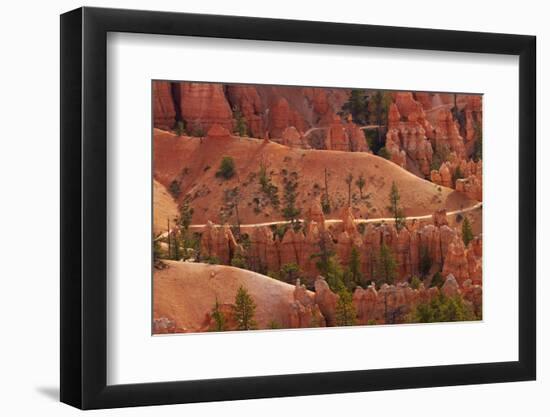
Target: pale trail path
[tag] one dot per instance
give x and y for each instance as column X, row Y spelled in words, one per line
column 332, row 221
column 314, row 129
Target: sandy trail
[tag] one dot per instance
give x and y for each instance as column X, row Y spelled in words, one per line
column 334, row 221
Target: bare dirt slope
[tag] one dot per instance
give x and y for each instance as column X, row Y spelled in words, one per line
column 194, row 162
column 185, row 292
column 164, row 208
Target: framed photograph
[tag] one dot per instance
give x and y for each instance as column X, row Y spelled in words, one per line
column 257, row 208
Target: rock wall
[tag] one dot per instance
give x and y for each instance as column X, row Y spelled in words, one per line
column 204, row 104
column 163, row 105
column 267, row 253
column 408, row 134
column 470, row 181
column 265, row 108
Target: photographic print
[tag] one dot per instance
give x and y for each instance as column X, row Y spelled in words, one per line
column 284, row 207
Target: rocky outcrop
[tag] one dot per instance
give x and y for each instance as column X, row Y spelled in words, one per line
column 220, row 243
column 164, row 325
column 390, row 304
column 164, row 113
column 326, row 300
column 447, row 135
column 462, row 175
column 248, row 101
column 291, row 137
column 471, row 186
column 218, row 132
column 281, row 116
column 408, row 133
column 439, row 218
column 204, row 104
column 410, row 246
column 304, row 312
column 346, row 137
column 337, row 138
column 456, row 261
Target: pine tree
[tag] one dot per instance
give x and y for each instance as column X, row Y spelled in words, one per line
column 349, row 181
column 395, row 208
column 467, row 233
column 290, row 272
column 180, row 128
column 478, row 145
column 219, row 318
column 425, row 261
column 437, row 280
column 355, row 267
column 356, row 106
column 346, row 314
column 227, row 168
column 378, row 108
column 186, row 215
column 240, row 126
column 290, row 211
column 244, row 310
column 457, row 174
column 361, row 184
column 386, row 268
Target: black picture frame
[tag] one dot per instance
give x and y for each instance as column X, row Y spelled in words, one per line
column 84, row 207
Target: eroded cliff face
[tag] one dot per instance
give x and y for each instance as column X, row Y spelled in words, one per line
column 435, row 136
column 426, row 129
column 407, row 136
column 265, row 109
column 203, row 105
column 470, row 181
column 164, row 112
column 410, row 246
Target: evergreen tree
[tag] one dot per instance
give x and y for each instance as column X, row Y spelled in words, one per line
column 415, row 282
column 270, row 190
column 325, row 199
column 239, row 260
column 241, row 127
column 384, row 153
column 355, row 267
column 176, row 256
column 478, row 145
column 334, row 274
column 324, row 254
column 378, row 108
column 174, row 188
column 395, row 208
column 157, row 251
column 232, row 199
column 356, row 106
column 349, row 181
column 186, row 215
column 290, row 211
column 467, row 233
column 442, row 309
column 437, row 280
column 346, row 314
column 425, row 261
column 219, row 318
column 290, row 272
column 361, row 184
column 457, row 174
column 180, row 128
column 244, row 310
column 227, row 168
column 386, row 268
